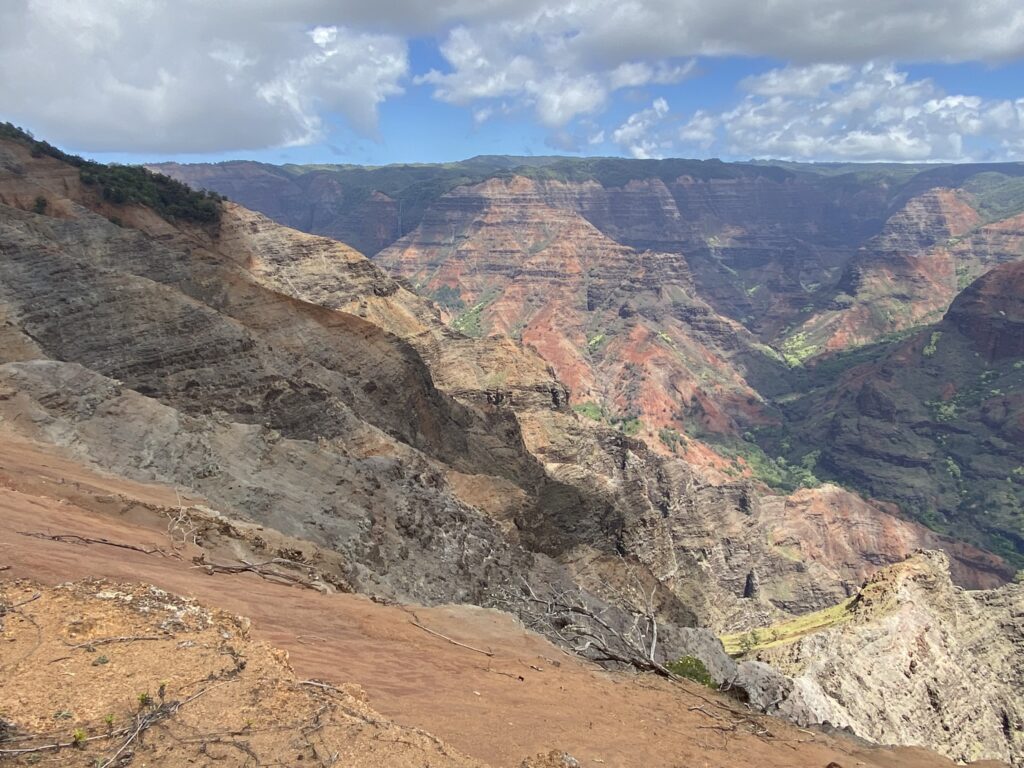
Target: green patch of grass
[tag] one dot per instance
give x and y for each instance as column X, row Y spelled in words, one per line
column 631, row 426
column 469, row 321
column 797, row 348
column 592, row 411
column 691, row 668
column 932, row 347
column 741, row 643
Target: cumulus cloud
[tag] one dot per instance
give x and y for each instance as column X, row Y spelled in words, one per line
column 194, row 75
column 531, row 61
column 873, row 113
column 640, row 136
column 595, row 47
column 188, row 77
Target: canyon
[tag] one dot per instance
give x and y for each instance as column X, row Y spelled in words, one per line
column 539, row 389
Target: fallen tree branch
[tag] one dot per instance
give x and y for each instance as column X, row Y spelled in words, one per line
column 36, row 596
column 445, row 637
column 108, row 640
column 73, row 538
column 150, row 719
column 260, row 569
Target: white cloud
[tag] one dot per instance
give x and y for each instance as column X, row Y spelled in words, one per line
column 195, row 75
column 154, row 76
column 874, row 113
column 639, row 135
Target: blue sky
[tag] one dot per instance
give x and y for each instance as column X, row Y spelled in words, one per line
column 384, row 81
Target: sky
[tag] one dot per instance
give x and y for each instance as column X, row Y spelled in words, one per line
column 395, row 81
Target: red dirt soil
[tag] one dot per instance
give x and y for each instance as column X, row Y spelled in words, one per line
column 528, row 698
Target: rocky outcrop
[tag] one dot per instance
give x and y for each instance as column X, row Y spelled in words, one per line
column 917, row 661
column 622, row 328
column 991, row 313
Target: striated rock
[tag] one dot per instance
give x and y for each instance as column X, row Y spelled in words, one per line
column 919, row 661
column 991, row 313
column 933, row 423
column 621, row 328
column 293, row 383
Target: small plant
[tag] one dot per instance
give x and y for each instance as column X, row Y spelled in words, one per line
column 691, row 668
column 108, row 720
column 162, row 690
column 100, row 661
column 40, row 205
column 592, row 411
column 145, row 700
column 747, row 643
column 953, row 469
column 78, row 738
column 63, row 714
column 932, row 347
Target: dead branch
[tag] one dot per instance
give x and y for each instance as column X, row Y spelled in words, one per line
column 71, row 538
column 163, row 712
column 108, row 640
column 445, row 637
column 62, row 745
column 630, row 639
column 263, row 570
column 36, row 596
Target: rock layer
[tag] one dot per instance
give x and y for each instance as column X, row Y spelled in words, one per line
column 918, row 661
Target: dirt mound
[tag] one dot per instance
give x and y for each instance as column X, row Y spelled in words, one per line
column 98, row 673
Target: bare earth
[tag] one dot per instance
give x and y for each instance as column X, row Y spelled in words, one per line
column 525, row 699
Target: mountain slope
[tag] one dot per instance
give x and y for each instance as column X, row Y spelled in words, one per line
column 292, row 382
column 909, row 637
column 623, row 329
column 935, row 422
column 809, row 257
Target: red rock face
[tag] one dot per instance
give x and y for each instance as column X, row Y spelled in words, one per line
column 620, row 327
column 991, row 312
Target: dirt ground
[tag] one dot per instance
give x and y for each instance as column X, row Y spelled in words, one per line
column 507, row 696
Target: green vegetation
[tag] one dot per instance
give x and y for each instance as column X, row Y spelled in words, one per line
column 595, row 342
column 592, row 411
column 468, row 322
column 741, row 643
column 932, row 347
column 122, row 184
column 631, row 426
column 953, row 469
column 944, row 410
column 449, row 297
column 796, row 349
column 997, row 195
column 778, row 473
column 672, row 439
column 691, row 668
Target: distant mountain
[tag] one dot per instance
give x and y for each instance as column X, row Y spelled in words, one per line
column 680, row 300
column 933, row 422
